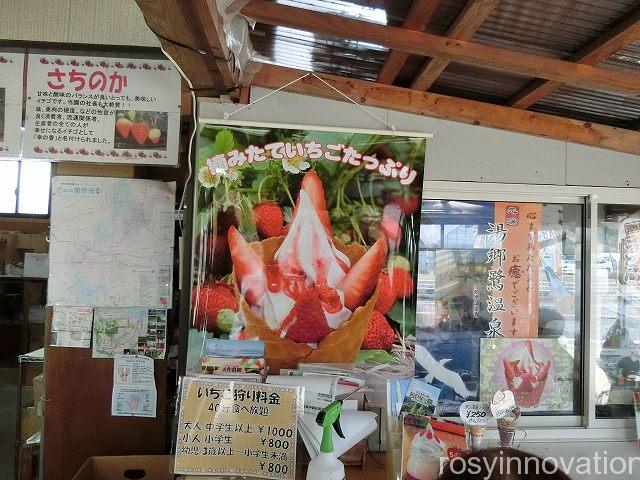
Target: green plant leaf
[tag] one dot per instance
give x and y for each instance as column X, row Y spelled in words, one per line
column 375, row 356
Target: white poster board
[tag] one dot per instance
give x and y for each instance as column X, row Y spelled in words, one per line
column 101, row 109
column 111, row 242
column 11, row 71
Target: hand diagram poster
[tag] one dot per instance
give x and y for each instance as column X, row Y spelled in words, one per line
column 11, row 70
column 305, row 238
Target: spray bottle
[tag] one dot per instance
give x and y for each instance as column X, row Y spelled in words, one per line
column 326, row 466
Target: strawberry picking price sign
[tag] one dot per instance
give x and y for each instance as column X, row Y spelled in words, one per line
column 101, row 109
column 11, row 70
column 305, row 238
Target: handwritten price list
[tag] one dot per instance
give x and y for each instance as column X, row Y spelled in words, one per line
column 232, row 428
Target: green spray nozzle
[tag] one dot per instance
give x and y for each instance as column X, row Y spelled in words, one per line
column 329, row 417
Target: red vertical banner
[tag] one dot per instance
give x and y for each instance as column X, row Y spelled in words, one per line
column 513, row 281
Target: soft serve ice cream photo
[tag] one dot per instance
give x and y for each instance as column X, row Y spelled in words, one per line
column 304, row 239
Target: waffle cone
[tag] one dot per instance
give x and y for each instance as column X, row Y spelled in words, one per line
column 477, row 430
column 340, row 346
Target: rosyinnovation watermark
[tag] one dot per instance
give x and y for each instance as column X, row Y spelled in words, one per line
column 600, row 463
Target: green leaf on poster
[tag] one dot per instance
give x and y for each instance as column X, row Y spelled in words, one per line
column 377, row 357
column 404, row 314
column 224, row 141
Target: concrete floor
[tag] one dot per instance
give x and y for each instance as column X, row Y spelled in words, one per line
column 8, row 399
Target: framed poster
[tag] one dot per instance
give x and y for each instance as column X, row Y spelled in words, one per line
column 539, row 372
column 11, row 82
column 305, row 237
column 102, row 109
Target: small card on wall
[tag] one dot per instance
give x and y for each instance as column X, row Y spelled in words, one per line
column 134, row 388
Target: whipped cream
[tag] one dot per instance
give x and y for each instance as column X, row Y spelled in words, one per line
column 426, row 444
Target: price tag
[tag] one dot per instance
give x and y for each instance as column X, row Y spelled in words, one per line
column 474, row 413
column 502, row 403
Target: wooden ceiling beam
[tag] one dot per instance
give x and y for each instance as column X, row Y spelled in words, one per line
column 191, row 24
column 429, row 45
column 451, row 108
column 473, row 15
column 624, row 33
column 417, row 19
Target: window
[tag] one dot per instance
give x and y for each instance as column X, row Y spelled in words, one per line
column 499, row 303
column 617, row 309
column 24, row 187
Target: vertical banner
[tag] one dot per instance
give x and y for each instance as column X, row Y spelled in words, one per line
column 513, row 280
column 101, row 109
column 305, row 238
column 11, row 83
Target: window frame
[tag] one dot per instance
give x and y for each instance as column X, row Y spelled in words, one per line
column 16, row 213
column 585, row 427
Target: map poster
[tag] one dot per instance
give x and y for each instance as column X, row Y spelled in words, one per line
column 11, row 88
column 102, row 109
column 237, row 429
column 111, row 242
column 539, row 372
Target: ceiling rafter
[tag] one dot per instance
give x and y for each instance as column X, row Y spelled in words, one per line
column 417, row 19
column 429, row 45
column 473, row 15
column 450, row 108
column 603, row 47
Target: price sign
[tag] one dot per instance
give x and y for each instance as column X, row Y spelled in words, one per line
column 474, row 413
column 237, row 429
column 502, row 403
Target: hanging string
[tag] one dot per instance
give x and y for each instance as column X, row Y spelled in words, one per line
column 228, row 115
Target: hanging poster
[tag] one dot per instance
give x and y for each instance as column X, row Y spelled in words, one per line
column 237, row 429
column 11, row 87
column 539, row 372
column 512, row 281
column 305, row 237
column 102, row 109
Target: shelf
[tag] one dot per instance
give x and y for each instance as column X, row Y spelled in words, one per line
column 26, row 279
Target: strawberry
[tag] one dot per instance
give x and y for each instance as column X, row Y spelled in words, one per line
column 268, row 218
column 154, row 135
column 248, row 267
column 402, row 282
column 208, row 300
column 123, row 126
column 216, row 251
column 225, row 220
column 407, row 205
column 358, row 284
column 312, row 185
column 390, row 224
column 306, row 323
column 386, row 294
column 140, row 132
column 379, row 334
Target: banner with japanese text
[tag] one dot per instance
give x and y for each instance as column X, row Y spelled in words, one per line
column 512, row 281
column 305, row 238
column 102, row 109
column 11, row 90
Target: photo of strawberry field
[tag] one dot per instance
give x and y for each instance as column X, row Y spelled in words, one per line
column 306, row 239
column 140, row 130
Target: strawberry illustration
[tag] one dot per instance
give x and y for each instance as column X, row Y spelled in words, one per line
column 140, row 132
column 118, row 65
column 249, row 267
column 312, row 185
column 99, row 153
column 104, row 64
column 358, row 284
column 123, row 126
column 157, row 155
column 74, row 62
column 44, row 61
column 3, row 60
column 154, row 135
column 113, row 153
column 306, row 323
column 407, row 205
column 402, row 282
column 225, row 220
column 386, row 294
column 37, row 149
column 208, row 300
column 53, row 150
column 68, row 151
column 88, row 63
column 268, row 218
column 390, row 224
column 161, row 67
column 126, row 154
column 142, row 155
column 379, row 334
column 146, row 66
column 131, row 65
column 59, row 62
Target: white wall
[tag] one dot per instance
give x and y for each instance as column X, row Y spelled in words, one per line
column 458, row 152
column 102, row 22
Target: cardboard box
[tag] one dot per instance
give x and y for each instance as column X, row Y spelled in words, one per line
column 36, row 265
column 34, row 242
column 38, row 388
column 140, row 467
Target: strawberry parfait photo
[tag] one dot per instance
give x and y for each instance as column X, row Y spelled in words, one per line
column 312, row 255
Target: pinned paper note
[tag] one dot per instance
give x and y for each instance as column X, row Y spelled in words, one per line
column 66, row 338
column 71, row 327
column 134, row 388
column 502, row 403
column 474, row 413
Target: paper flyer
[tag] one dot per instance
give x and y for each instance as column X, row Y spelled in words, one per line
column 294, row 229
column 134, row 388
column 65, row 338
column 421, row 398
column 72, row 319
column 11, row 90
